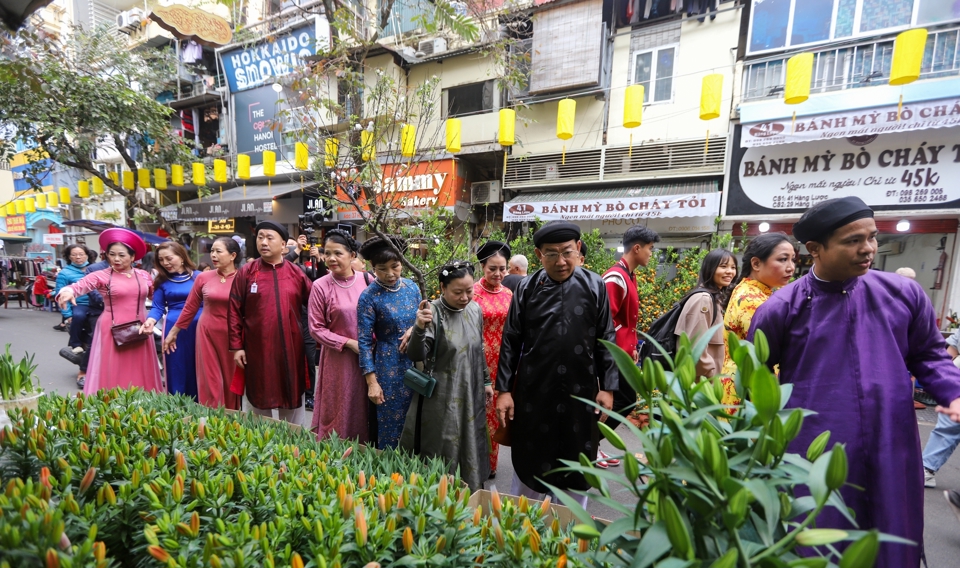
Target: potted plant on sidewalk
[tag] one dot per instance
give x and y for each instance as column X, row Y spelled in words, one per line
column 19, row 387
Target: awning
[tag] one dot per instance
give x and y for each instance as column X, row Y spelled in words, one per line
column 252, row 201
column 695, row 199
column 11, row 238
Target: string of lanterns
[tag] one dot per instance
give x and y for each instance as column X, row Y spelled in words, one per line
column 907, row 62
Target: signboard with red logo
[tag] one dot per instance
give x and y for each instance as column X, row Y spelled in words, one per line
column 53, row 239
column 419, row 186
column 941, row 113
column 640, row 207
column 894, row 171
column 17, row 224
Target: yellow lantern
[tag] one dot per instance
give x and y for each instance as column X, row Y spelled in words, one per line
column 366, row 145
column 566, row 116
column 159, row 178
column 114, row 177
column 301, row 156
column 269, row 163
column 42, row 200
column 83, row 189
column 128, row 180
column 97, row 186
column 331, row 152
column 143, row 177
column 11, row 209
column 30, row 204
column 20, row 206
column 176, row 175
column 220, row 171
column 799, row 75
column 633, row 106
column 454, row 128
column 508, row 126
column 52, row 199
column 408, row 140
column 908, row 56
column 243, row 166
column 64, row 195
column 711, row 92
column 199, row 174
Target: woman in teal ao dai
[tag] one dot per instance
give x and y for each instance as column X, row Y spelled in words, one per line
column 385, row 311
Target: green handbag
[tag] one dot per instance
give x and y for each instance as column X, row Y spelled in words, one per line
column 423, row 382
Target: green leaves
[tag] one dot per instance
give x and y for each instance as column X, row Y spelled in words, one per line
column 862, row 553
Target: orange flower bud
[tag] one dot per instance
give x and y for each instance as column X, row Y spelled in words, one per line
column 181, row 462
column 562, row 561
column 195, row 523
column 87, row 480
column 442, row 490
column 545, row 505
column 158, row 552
column 45, row 477
column 361, row 480
column 296, row 561
column 583, row 545
column 346, row 453
column 53, row 559
column 407, row 540
column 360, row 522
column 477, row 513
column 495, row 500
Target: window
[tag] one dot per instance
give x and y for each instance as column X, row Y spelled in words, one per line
column 781, row 24
column 469, row 99
column 656, row 66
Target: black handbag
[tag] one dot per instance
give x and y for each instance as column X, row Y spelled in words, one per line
column 127, row 333
column 423, row 382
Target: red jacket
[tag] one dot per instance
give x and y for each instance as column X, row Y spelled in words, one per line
column 624, row 304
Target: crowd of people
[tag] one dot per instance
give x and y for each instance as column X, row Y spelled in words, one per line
column 509, row 352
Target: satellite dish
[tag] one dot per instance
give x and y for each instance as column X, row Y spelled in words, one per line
column 461, row 210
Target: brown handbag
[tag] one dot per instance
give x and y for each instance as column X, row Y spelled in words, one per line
column 127, row 333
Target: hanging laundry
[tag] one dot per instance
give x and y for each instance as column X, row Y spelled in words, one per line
column 191, row 52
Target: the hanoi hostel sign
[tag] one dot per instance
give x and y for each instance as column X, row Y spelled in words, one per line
column 265, row 63
column 256, row 114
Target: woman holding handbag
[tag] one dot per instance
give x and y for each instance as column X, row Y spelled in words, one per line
column 451, row 423
column 121, row 356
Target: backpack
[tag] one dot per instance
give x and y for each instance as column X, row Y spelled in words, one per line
column 663, row 328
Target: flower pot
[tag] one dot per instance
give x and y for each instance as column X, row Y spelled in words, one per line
column 29, row 402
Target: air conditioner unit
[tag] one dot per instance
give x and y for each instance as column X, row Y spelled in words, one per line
column 129, row 21
column 891, row 248
column 485, row 192
column 429, row 47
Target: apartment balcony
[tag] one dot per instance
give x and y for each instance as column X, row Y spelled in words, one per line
column 852, row 66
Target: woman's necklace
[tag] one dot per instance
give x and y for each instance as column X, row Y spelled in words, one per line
column 497, row 291
column 387, row 288
column 223, row 277
column 447, row 307
column 180, row 278
column 127, row 274
column 350, row 285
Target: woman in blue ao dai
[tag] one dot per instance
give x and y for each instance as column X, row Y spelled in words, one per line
column 175, row 278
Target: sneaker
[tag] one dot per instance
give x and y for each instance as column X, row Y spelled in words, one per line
column 70, row 355
column 602, row 464
column 953, row 499
column 928, row 478
column 308, row 403
column 78, row 350
column 922, row 396
column 81, row 380
column 917, row 405
column 612, row 462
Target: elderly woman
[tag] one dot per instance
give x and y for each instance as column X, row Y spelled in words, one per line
column 448, row 336
column 117, row 361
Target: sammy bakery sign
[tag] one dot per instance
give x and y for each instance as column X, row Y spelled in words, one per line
column 265, row 63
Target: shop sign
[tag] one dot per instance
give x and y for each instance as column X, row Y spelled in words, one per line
column 53, row 239
column 265, row 63
column 190, row 23
column 221, row 226
column 256, row 115
column 907, row 170
column 647, row 207
column 862, row 123
column 220, row 210
column 420, row 186
column 17, row 224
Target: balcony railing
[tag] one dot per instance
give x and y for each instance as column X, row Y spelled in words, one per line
column 854, row 66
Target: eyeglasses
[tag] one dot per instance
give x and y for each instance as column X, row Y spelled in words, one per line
column 567, row 255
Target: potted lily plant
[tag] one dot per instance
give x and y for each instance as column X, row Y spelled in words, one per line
column 19, row 387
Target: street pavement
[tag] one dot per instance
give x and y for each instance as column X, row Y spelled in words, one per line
column 32, row 331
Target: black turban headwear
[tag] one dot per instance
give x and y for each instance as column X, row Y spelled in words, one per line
column 491, row 248
column 271, row 226
column 826, row 217
column 374, row 245
column 556, row 232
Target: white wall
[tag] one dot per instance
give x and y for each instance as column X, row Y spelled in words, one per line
column 920, row 253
